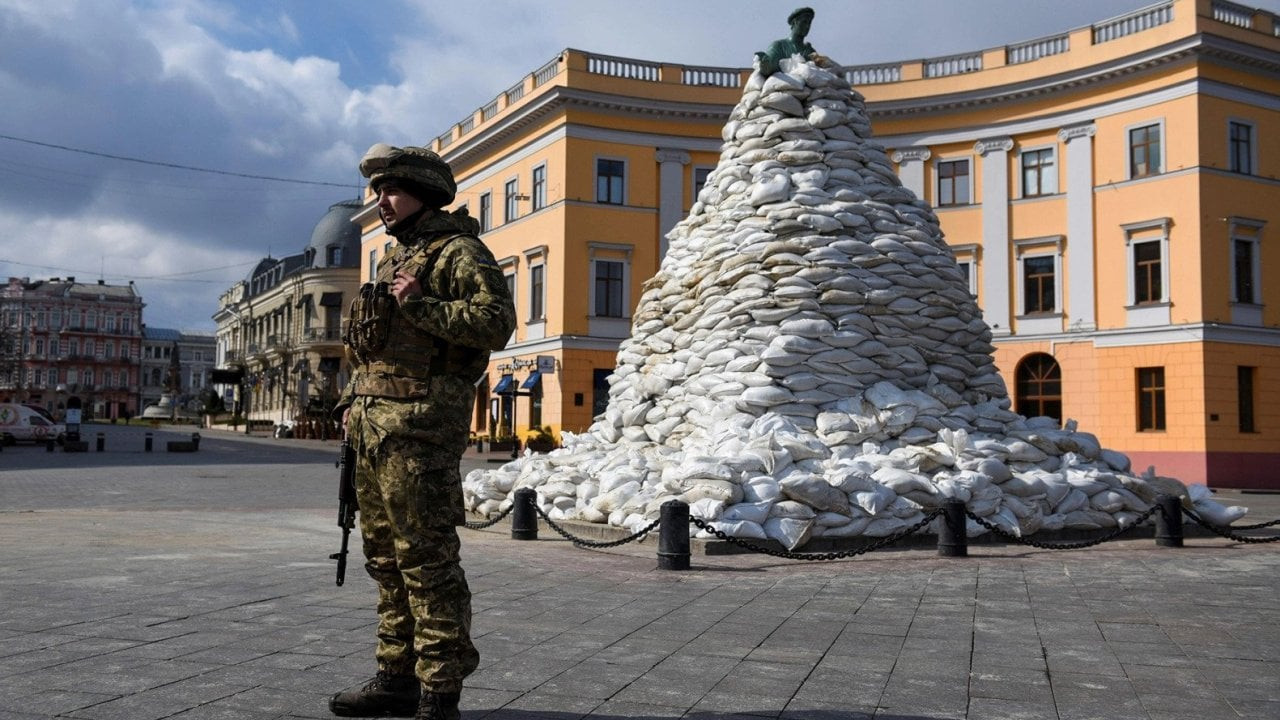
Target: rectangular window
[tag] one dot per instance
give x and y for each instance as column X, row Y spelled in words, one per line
column 953, row 182
column 126, row 325
column 1148, row 273
column 608, row 288
column 1144, row 151
column 966, row 269
column 88, row 348
column 486, row 212
column 373, row 267
column 539, row 187
column 700, row 175
column 1244, row 396
column 610, row 187
column 512, row 196
column 1039, row 174
column 110, row 350
column 1150, row 399
column 1038, row 284
column 1240, row 147
column 536, row 287
column 1242, row 261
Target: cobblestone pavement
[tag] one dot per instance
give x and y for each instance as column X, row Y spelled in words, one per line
column 197, row 586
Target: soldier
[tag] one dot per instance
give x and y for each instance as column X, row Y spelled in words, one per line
column 419, row 337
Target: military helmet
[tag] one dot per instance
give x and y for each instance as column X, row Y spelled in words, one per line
column 423, row 173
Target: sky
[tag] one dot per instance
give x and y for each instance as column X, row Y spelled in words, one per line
column 109, row 104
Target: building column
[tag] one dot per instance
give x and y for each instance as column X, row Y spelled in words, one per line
column 1081, row 275
column 995, row 233
column 911, row 167
column 670, row 193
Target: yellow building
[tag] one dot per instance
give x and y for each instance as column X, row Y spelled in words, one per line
column 1113, row 192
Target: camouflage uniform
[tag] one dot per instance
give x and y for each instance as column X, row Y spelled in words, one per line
column 410, row 398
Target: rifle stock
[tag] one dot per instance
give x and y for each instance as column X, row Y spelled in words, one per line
column 347, row 505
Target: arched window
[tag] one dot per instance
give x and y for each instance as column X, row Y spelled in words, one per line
column 1039, row 387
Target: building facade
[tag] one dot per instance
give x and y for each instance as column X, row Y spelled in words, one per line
column 279, row 331
column 61, row 339
column 1113, row 192
column 195, row 353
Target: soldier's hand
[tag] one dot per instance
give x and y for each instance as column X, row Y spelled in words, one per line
column 405, row 287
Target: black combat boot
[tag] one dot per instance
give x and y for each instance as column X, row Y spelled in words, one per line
column 439, row 706
column 386, row 694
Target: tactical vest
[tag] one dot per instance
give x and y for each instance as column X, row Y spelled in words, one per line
column 395, row 357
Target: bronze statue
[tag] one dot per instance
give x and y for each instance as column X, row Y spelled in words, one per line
column 795, row 44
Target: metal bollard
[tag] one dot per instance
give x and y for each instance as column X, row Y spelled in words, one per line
column 1169, row 521
column 146, row 442
column 195, row 440
column 953, row 541
column 102, row 442
column 673, row 536
column 524, row 515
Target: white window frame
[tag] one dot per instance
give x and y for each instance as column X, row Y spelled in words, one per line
column 600, row 325
column 373, row 265
column 1253, row 145
column 1128, row 149
column 1135, row 233
column 1048, row 246
column 1247, row 230
column 968, row 253
column 937, row 180
column 1054, row 157
column 538, row 191
column 595, row 178
column 485, row 216
column 511, row 199
column 537, row 326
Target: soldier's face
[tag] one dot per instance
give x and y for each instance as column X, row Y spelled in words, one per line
column 394, row 204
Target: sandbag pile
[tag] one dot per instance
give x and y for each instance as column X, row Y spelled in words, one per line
column 808, row 361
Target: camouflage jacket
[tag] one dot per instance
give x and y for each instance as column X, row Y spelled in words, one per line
column 463, row 312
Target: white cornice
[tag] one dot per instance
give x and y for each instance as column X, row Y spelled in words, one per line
column 474, row 146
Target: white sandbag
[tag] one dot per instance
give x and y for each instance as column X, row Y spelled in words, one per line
column 790, row 532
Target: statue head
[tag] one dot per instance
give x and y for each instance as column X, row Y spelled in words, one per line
column 800, row 18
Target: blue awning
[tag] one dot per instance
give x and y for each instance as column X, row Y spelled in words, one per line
column 532, row 381
column 505, row 386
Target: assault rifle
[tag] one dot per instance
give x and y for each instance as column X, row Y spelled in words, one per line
column 347, row 505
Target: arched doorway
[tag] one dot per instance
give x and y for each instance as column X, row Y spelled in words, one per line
column 1038, row 383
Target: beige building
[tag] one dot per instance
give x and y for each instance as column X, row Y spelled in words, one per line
column 279, row 331
column 1112, row 190
column 61, row 340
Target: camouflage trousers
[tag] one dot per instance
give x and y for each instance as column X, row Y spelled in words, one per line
column 409, row 491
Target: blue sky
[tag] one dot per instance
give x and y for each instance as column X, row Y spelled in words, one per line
column 300, row 88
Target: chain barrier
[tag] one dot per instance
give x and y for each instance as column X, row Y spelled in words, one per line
column 1255, row 526
column 788, row 555
column 579, row 542
column 1061, row 546
column 491, row 521
column 1226, row 531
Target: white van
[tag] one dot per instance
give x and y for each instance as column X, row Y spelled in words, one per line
column 29, row 423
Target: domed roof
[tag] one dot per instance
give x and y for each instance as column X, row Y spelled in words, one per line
column 335, row 230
